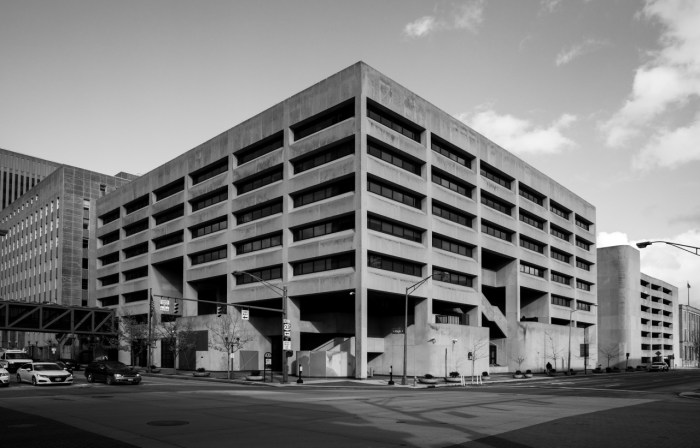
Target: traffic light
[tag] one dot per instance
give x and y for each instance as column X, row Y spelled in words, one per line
column 176, row 307
column 469, row 355
column 219, row 310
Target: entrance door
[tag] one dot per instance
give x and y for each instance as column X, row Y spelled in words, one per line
column 493, row 352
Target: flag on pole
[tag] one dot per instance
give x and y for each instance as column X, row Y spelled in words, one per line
column 688, row 285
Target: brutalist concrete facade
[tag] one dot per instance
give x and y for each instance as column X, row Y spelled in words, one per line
column 19, row 173
column 349, row 193
column 638, row 314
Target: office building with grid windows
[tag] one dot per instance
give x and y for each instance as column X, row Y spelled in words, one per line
column 19, row 173
column 348, row 194
column 638, row 314
column 44, row 255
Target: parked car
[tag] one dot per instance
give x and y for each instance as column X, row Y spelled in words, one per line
column 111, row 372
column 14, row 358
column 72, row 363
column 48, row 373
column 64, row 366
column 658, row 367
column 4, row 376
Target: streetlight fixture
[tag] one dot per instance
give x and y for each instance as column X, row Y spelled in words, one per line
column 692, row 249
column 282, row 292
column 409, row 290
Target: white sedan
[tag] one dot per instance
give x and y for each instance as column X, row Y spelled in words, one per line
column 39, row 373
column 4, row 377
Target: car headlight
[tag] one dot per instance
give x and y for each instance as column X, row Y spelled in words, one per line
column 138, row 374
column 41, row 377
column 118, row 375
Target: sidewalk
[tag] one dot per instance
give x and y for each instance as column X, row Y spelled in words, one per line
column 377, row 380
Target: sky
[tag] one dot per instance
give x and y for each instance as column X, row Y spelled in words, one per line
column 601, row 95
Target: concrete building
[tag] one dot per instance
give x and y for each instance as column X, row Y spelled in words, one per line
column 44, row 256
column 638, row 314
column 348, row 195
column 19, row 173
column 689, row 336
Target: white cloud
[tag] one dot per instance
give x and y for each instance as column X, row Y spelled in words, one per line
column 519, row 135
column 548, row 6
column 606, row 239
column 661, row 86
column 670, row 148
column 420, row 27
column 468, row 15
column 587, row 46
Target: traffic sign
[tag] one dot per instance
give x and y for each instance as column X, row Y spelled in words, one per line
column 658, row 353
column 287, row 334
column 245, row 314
column 286, row 345
column 268, row 355
column 286, row 326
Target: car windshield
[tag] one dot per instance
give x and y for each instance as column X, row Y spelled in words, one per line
column 47, row 366
column 17, row 356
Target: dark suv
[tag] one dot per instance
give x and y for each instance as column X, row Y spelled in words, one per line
column 111, row 372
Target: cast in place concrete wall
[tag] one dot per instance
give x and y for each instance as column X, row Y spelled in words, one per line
column 376, row 296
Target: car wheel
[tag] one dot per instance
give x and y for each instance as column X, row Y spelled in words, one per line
column 110, row 380
column 90, row 378
column 34, row 381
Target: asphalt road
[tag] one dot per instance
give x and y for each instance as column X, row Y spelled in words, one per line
column 640, row 409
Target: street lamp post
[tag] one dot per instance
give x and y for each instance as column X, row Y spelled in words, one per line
column 282, row 292
column 571, row 313
column 409, row 290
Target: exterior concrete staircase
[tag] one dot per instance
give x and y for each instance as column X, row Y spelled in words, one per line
column 494, row 314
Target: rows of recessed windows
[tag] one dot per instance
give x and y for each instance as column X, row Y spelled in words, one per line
column 29, row 256
column 496, row 203
column 538, row 271
column 258, row 180
column 380, row 150
column 384, row 225
column 394, row 192
column 326, row 154
column 566, row 302
column 324, row 227
column 495, row 175
column 451, row 183
column 392, row 156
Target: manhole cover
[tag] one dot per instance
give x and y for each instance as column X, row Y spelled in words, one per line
column 168, row 423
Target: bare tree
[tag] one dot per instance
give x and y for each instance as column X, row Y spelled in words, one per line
column 228, row 334
column 610, row 352
column 478, row 348
column 176, row 336
column 519, row 358
column 552, row 349
column 133, row 335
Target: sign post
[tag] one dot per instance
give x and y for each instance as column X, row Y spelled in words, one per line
column 268, row 364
